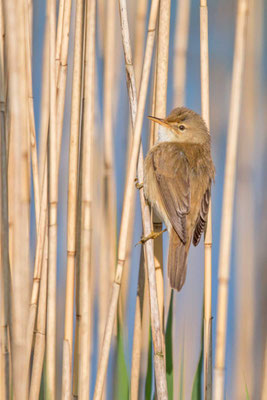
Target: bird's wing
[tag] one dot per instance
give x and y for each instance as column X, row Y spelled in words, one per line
column 174, row 185
column 202, row 217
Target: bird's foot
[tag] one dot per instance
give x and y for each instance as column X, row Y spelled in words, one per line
column 138, row 185
column 152, row 235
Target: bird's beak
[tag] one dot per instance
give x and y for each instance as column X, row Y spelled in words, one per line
column 160, row 121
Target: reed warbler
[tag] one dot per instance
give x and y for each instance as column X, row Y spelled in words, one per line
column 178, row 173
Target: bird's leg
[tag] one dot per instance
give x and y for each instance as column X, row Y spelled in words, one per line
column 152, row 235
column 138, row 185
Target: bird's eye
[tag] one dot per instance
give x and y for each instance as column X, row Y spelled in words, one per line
column 181, row 127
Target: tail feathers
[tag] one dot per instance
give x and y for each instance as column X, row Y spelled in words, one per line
column 177, row 261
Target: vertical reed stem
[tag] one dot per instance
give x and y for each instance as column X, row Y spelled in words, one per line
column 5, row 267
column 53, row 199
column 72, row 201
column 110, row 223
column 180, row 51
column 137, row 338
column 31, row 115
column 87, row 195
column 245, row 283
column 204, row 70
column 40, row 334
column 160, row 112
column 59, row 35
column 140, row 30
column 62, row 75
column 228, row 199
column 15, row 55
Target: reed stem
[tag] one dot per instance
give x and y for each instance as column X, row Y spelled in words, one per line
column 228, row 199
column 52, row 220
column 72, row 200
column 87, row 196
column 5, row 267
column 160, row 111
column 180, row 51
column 40, row 333
column 204, row 70
column 17, row 100
column 138, row 323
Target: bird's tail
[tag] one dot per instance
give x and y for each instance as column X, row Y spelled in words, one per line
column 177, row 260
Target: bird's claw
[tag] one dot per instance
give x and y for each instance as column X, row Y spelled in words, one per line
column 138, row 185
column 153, row 235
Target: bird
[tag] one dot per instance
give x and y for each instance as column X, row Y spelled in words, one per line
column 178, row 174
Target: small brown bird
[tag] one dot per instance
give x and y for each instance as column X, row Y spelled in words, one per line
column 178, row 173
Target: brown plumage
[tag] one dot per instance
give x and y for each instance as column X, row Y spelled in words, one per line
column 177, row 182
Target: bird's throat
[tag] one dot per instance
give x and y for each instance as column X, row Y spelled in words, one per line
column 166, row 135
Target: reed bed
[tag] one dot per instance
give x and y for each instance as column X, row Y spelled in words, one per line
column 117, row 341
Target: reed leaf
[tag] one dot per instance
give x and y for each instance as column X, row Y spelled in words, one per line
column 169, row 360
column 196, row 389
column 122, row 389
column 149, row 372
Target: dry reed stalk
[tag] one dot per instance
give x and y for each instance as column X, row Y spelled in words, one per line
column 4, row 361
column 40, row 333
column 31, row 121
column 160, row 111
column 140, row 28
column 59, row 35
column 44, row 124
column 15, row 55
column 141, row 325
column 138, row 322
column 109, row 173
column 179, row 99
column 2, row 58
column 107, row 210
column 157, row 333
column 204, row 76
column 5, row 269
column 101, row 21
column 180, row 52
column 78, row 236
column 11, row 172
column 145, row 337
column 40, row 242
column 153, row 104
column 72, row 201
column 137, row 120
column 77, row 275
column 246, row 266
column 228, row 199
column 30, row 21
column 264, row 383
column 87, row 195
column 162, row 62
column 52, row 221
column 103, row 281
column 62, row 75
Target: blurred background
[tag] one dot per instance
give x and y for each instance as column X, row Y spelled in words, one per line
column 246, row 331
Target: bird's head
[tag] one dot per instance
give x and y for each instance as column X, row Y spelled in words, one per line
column 182, row 125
